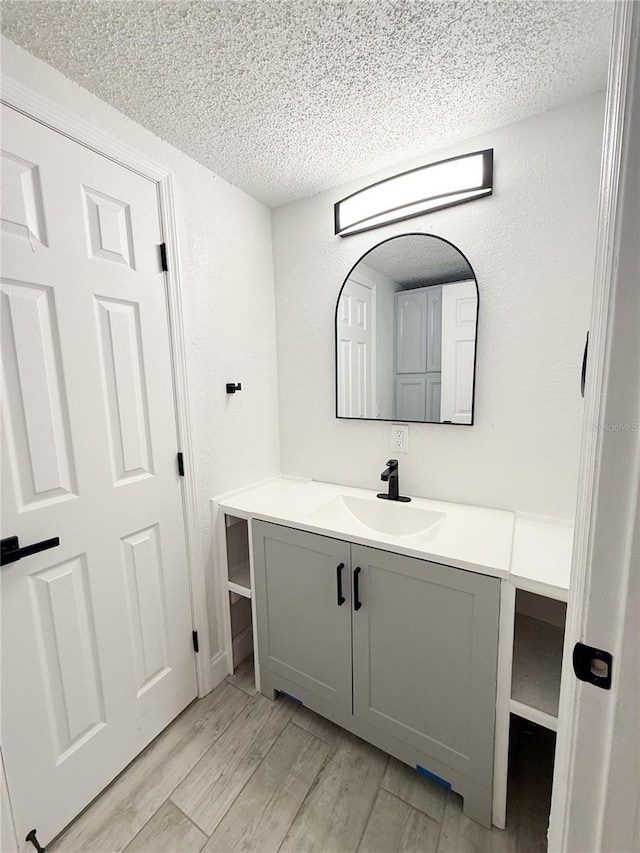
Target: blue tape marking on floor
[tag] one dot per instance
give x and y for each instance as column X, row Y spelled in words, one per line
column 433, row 776
column 289, row 696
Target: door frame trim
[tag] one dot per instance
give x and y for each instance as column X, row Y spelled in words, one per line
column 597, row 380
column 47, row 112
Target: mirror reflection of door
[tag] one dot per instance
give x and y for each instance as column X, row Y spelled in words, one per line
column 418, row 334
column 459, row 308
column 356, row 349
column 406, row 333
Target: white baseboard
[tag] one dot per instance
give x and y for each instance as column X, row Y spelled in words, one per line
column 220, row 667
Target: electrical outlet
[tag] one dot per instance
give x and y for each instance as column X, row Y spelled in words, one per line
column 400, row 438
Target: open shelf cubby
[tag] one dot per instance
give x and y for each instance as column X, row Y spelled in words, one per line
column 240, row 604
column 239, row 575
column 240, row 580
column 537, row 658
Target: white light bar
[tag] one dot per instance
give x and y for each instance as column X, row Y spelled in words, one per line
column 418, row 191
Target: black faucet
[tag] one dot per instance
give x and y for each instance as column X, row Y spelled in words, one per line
column 391, row 474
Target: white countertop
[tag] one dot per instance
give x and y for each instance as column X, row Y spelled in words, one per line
column 541, row 558
column 534, row 551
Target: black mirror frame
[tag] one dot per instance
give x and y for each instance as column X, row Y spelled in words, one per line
column 475, row 349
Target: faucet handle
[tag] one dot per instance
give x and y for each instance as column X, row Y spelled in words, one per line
column 392, row 463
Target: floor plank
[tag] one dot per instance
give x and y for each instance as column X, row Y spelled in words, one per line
column 121, row 811
column 530, row 746
column 395, row 826
column 417, row 790
column 420, row 834
column 460, row 834
column 254, row 772
column 209, row 790
column 318, row 726
column 334, row 814
column 384, row 828
column 244, row 677
column 262, row 814
column 168, row 831
column 530, row 829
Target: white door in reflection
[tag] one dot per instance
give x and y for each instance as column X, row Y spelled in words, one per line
column 356, row 350
column 459, row 306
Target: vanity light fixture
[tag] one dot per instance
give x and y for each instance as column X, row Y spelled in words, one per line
column 415, row 192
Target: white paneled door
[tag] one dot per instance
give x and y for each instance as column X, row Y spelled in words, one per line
column 97, row 654
column 356, row 351
column 459, row 307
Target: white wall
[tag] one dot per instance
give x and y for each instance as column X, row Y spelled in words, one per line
column 227, row 268
column 532, row 247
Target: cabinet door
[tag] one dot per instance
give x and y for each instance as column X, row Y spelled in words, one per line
column 304, row 634
column 425, row 644
column 411, row 331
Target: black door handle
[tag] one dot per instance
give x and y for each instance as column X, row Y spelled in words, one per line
column 583, row 377
column 11, row 552
column 341, row 598
column 357, row 604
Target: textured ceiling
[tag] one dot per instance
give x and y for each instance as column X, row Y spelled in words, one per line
column 286, row 98
column 416, row 260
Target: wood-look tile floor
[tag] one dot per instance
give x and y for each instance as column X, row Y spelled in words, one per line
column 237, row 772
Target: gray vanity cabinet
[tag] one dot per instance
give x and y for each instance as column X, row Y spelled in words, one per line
column 405, row 658
column 425, row 643
column 304, row 634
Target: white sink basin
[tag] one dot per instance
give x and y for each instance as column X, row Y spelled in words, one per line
column 397, row 519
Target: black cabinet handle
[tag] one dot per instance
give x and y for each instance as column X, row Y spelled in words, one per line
column 11, row 551
column 341, row 598
column 357, row 604
column 583, row 378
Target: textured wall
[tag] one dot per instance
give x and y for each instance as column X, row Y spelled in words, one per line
column 532, row 247
column 227, row 268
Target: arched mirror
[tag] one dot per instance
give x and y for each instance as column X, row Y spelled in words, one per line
column 406, row 326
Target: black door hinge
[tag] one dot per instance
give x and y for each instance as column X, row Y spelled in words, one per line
column 196, row 647
column 163, row 257
column 181, row 464
column 592, row 665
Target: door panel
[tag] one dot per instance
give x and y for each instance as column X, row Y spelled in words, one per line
column 411, row 398
column 37, row 422
column 434, row 329
column 303, row 634
column 146, row 605
column 356, row 350
column 108, row 227
column 424, row 657
column 63, row 616
column 96, row 653
column 411, row 331
column 22, row 212
column 124, row 384
column 433, row 386
column 459, row 307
